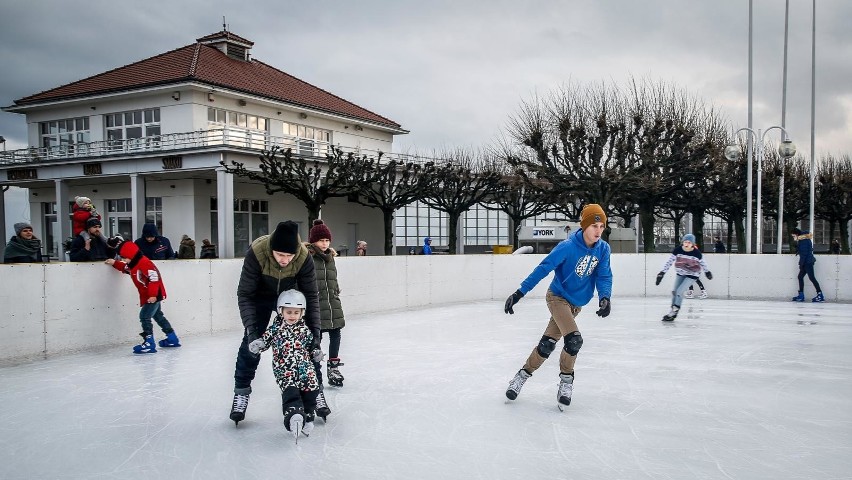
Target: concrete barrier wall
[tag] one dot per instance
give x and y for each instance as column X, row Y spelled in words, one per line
column 64, row 307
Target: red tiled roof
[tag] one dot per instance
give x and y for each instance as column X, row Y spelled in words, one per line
column 206, row 64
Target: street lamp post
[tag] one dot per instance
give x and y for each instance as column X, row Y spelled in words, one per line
column 786, row 150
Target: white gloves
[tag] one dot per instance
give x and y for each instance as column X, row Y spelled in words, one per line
column 255, row 346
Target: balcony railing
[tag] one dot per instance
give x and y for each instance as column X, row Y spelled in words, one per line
column 202, row 139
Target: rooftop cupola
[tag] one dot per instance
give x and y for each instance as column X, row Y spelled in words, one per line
column 230, row 44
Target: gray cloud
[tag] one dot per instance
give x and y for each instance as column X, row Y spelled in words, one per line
column 453, row 72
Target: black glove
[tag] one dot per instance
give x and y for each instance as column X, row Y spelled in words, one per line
column 512, row 300
column 660, row 277
column 605, row 307
column 709, row 275
column 251, row 337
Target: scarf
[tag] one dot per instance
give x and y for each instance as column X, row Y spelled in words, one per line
column 19, row 247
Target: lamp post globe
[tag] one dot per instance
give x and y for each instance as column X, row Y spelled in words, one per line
column 733, row 153
column 787, row 149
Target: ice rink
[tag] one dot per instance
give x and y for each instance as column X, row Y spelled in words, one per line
column 731, row 390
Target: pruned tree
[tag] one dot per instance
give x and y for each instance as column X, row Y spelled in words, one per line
column 461, row 180
column 389, row 185
column 834, row 196
column 313, row 181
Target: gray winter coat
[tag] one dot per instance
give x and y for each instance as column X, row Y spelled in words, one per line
column 331, row 310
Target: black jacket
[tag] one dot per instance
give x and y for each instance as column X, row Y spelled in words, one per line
column 262, row 280
column 98, row 250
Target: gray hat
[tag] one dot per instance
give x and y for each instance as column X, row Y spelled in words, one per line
column 20, row 226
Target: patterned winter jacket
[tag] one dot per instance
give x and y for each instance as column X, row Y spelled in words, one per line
column 291, row 354
column 688, row 264
column 331, row 310
column 262, row 279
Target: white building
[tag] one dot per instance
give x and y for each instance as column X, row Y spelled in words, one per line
column 144, row 141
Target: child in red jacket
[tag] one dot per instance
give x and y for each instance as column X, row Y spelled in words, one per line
column 147, row 279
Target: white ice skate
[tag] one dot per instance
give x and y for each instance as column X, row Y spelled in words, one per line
column 297, row 422
column 516, row 384
column 703, row 294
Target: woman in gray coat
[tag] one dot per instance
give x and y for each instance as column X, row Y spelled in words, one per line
column 331, row 310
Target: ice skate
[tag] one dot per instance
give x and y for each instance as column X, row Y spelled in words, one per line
column 566, row 388
column 171, row 340
column 517, row 383
column 669, row 317
column 799, row 298
column 297, row 422
column 689, row 294
column 238, row 410
column 322, row 407
column 335, row 378
column 703, row 295
column 819, row 298
column 308, row 428
column 147, row 345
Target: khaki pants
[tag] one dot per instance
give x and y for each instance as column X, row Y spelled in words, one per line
column 561, row 323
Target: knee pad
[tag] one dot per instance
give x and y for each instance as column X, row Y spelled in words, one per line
column 573, row 342
column 546, row 346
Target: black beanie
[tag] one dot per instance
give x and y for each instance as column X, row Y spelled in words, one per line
column 285, row 238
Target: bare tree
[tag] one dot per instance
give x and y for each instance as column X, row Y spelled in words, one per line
column 390, row 185
column 312, row 181
column 461, row 181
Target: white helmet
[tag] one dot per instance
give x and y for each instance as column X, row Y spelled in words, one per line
column 292, row 299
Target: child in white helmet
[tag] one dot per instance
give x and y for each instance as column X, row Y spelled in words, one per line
column 292, row 362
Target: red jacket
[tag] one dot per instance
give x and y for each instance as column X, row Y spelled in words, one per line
column 79, row 216
column 142, row 271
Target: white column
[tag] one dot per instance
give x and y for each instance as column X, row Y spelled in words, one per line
column 3, row 212
column 63, row 215
column 137, row 204
column 225, row 211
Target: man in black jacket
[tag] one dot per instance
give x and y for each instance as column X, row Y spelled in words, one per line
column 93, row 248
column 274, row 263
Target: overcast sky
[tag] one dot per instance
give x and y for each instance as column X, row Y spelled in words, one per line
column 453, row 72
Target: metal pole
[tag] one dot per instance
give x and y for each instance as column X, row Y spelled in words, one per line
column 780, row 225
column 759, row 237
column 750, row 148
column 813, row 114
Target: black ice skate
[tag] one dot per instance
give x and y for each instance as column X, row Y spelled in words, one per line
column 322, row 407
column 335, row 378
column 238, row 410
column 669, row 317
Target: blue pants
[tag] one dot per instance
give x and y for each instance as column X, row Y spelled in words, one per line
column 681, row 284
column 155, row 311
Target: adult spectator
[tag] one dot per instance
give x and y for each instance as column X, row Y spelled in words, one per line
column 208, row 250
column 274, row 263
column 719, row 247
column 23, row 247
column 361, row 248
column 93, row 248
column 186, row 249
column 835, row 247
column 153, row 245
column 427, row 246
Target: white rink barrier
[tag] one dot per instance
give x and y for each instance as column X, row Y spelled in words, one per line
column 65, row 307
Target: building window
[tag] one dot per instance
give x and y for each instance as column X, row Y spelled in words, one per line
column 65, row 136
column 305, row 140
column 485, row 227
column 154, row 212
column 416, row 221
column 251, row 220
column 48, row 241
column 238, row 129
column 119, row 218
column 127, row 129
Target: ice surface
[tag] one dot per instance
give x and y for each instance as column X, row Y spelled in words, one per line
column 732, row 389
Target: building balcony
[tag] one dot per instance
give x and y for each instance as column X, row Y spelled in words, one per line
column 236, row 139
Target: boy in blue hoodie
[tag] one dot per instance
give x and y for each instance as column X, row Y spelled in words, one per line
column 580, row 264
column 153, row 245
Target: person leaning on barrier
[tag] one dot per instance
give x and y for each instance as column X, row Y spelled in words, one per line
column 23, row 247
